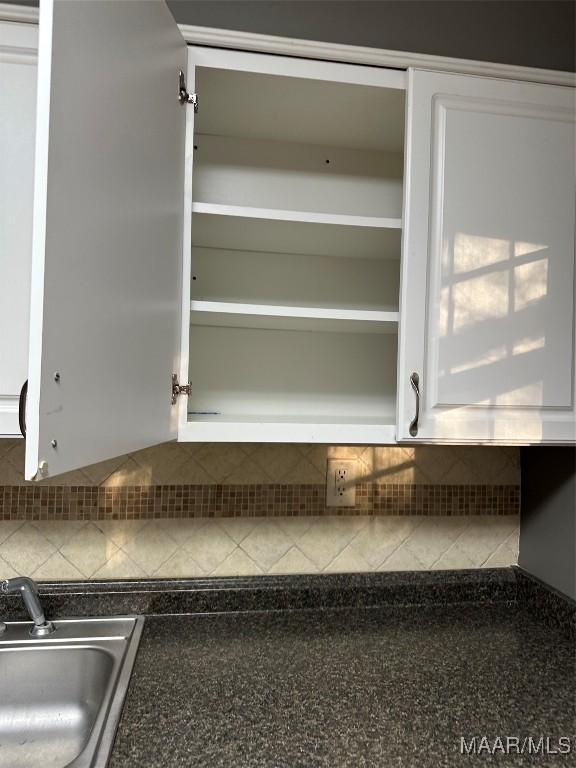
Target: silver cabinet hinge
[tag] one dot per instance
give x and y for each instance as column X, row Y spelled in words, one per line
column 183, row 96
column 179, row 389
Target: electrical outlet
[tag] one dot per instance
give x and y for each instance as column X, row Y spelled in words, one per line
column 341, row 483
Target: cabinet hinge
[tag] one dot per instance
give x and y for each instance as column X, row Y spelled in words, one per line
column 183, row 96
column 179, row 389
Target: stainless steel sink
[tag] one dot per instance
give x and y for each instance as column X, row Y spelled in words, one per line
column 61, row 695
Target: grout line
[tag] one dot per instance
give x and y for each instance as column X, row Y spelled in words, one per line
column 62, row 555
column 400, row 544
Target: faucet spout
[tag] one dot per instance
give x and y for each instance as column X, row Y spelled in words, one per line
column 29, row 591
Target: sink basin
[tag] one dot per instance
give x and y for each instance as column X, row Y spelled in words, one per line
column 61, row 695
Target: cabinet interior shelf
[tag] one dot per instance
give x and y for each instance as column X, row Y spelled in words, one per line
column 311, row 217
column 226, row 427
column 222, row 313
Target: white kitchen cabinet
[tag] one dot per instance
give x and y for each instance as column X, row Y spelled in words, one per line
column 487, row 304
column 256, row 253
column 296, row 212
column 255, row 248
column 18, row 46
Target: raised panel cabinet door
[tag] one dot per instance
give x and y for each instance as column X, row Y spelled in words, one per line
column 107, row 232
column 487, row 297
column 18, row 45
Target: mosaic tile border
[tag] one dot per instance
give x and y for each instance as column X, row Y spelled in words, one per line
column 18, row 502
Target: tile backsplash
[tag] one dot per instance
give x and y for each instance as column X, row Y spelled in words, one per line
column 183, row 510
column 106, row 549
column 258, row 464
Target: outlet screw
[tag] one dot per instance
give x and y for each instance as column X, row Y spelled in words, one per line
column 54, row 443
column 57, row 376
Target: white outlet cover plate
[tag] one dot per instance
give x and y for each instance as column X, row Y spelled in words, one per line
column 341, row 493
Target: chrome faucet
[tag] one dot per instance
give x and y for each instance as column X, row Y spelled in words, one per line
column 29, row 592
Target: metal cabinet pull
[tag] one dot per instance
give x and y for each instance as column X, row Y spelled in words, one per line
column 22, row 408
column 414, row 382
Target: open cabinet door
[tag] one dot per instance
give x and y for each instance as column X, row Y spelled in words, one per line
column 107, row 242
column 488, row 317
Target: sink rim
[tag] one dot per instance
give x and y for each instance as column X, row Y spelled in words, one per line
column 122, row 647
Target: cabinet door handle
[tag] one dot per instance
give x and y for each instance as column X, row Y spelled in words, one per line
column 414, row 383
column 22, row 408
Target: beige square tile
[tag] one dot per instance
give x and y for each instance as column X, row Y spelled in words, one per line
column 6, row 570
column 453, row 558
column 502, row 557
column 238, row 527
column 162, row 461
column 402, row 560
column 120, row 566
column 434, row 536
column 348, row 561
column 12, row 462
column 150, row 547
column 484, row 535
column 513, row 541
column 26, row 549
column 391, row 464
column 89, row 550
column 237, row 564
column 120, row 531
column 75, row 477
column 304, row 472
column 293, row 562
column 7, row 528
column 295, row 527
column 492, row 464
column 129, row 473
column 382, row 535
column 461, row 473
column 191, row 473
column 327, row 537
column 7, row 444
column 181, row 529
column 96, row 474
column 247, row 473
column 317, row 455
column 365, row 463
column 276, row 461
column 434, row 462
column 58, row 532
column 508, row 472
column 209, row 546
column 179, row 566
column 10, row 474
column 266, row 544
column 344, row 451
column 57, row 568
column 220, row 460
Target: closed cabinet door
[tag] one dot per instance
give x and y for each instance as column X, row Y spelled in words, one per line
column 487, row 323
column 18, row 44
column 107, row 233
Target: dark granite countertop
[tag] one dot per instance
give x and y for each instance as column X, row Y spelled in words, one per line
column 346, row 687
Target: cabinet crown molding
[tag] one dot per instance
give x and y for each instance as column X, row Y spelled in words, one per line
column 351, row 54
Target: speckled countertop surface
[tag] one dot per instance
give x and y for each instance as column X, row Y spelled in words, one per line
column 383, row 687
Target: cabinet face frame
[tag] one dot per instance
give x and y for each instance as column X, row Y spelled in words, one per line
column 436, row 104
column 266, row 431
